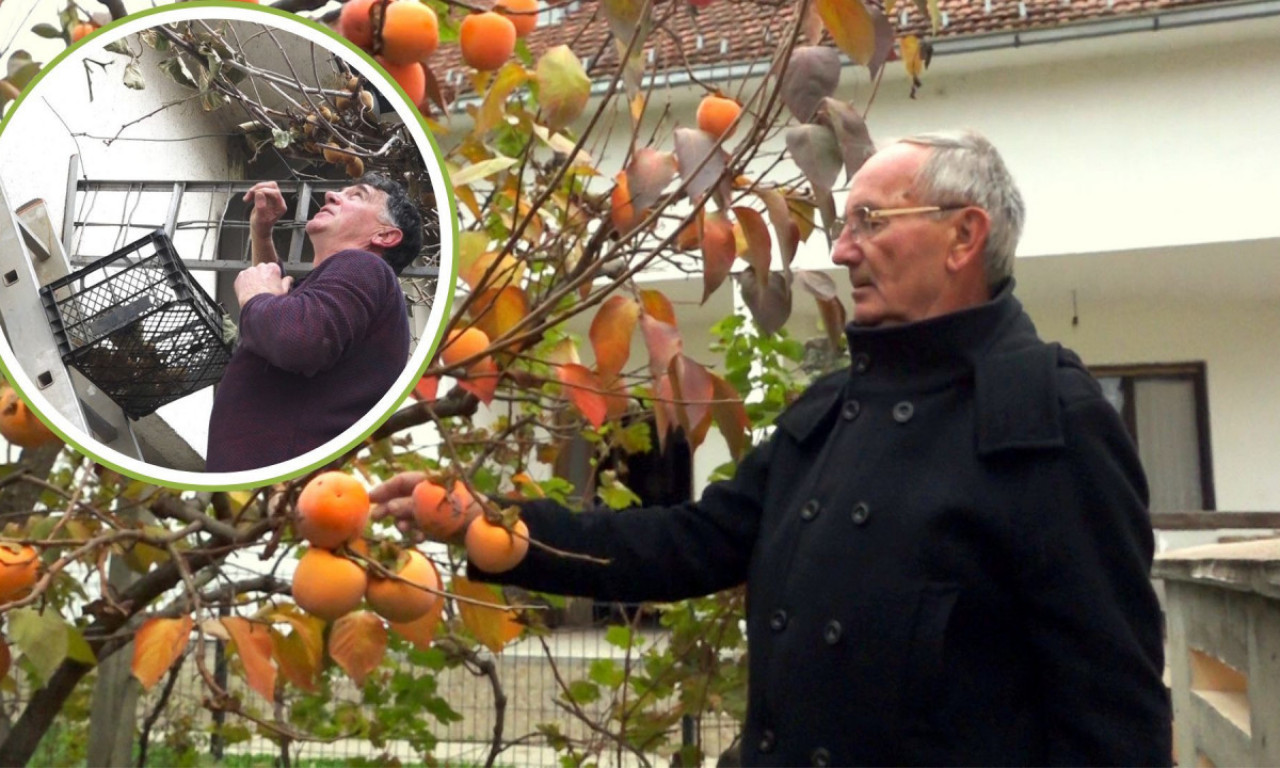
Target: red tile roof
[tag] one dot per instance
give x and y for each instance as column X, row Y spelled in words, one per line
column 743, row 31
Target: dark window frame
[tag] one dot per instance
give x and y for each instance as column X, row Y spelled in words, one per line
column 1193, row 371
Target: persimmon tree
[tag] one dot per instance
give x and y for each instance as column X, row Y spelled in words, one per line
column 551, row 235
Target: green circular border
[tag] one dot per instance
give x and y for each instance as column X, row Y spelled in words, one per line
column 453, row 226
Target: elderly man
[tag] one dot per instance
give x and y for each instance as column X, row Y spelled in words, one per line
column 315, row 357
column 946, row 545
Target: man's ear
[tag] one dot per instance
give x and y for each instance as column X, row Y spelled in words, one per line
column 972, row 226
column 387, row 238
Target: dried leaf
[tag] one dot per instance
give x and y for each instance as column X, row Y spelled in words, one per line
column 493, row 110
column 815, row 150
column 658, row 306
column 718, row 252
column 850, row 130
column 158, row 644
column 648, row 174
column 358, row 643
column 611, row 331
column 787, row 230
column 770, row 304
column 434, row 92
column 813, row 73
column 663, row 341
column 496, row 312
column 494, row 627
column 823, row 289
column 563, row 87
column 252, row 642
column 701, row 163
column 730, row 415
column 759, row 250
column 583, row 390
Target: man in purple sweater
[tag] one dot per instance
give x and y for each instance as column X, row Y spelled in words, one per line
column 315, row 357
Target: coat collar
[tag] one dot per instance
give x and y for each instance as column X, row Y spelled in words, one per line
column 933, row 352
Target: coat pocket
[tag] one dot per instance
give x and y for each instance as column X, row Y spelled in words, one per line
column 926, row 689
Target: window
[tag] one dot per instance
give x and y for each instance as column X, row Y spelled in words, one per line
column 1165, row 408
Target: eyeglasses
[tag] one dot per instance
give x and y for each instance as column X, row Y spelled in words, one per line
column 868, row 221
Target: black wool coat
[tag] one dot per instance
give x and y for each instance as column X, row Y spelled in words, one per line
column 946, row 549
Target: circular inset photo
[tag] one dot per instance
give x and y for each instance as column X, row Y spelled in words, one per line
column 226, row 247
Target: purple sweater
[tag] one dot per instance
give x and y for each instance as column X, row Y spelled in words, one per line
column 309, row 363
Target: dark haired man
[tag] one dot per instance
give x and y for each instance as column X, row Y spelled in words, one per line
column 315, row 357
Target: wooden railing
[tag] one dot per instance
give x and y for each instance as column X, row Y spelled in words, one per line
column 1223, row 614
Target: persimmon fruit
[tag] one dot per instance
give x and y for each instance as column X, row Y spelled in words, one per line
column 19, row 569
column 716, row 115
column 525, row 16
column 487, row 40
column 356, row 23
column 411, row 77
column 494, row 549
column 463, row 344
column 439, row 514
column 327, row 585
column 82, row 30
column 411, row 32
column 332, row 509
column 19, row 425
column 402, row 601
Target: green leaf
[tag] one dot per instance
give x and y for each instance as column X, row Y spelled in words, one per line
column 47, row 31
column 133, row 79
column 121, row 47
column 607, row 673
column 583, row 692
column 78, row 648
column 42, row 638
column 563, row 87
column 177, row 70
column 618, row 635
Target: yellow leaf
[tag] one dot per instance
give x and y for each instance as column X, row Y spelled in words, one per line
column 300, row 653
column 851, row 27
column 911, row 55
column 492, row 626
column 357, row 642
column 253, row 643
column 422, row 630
column 492, row 110
column 497, row 311
column 158, row 644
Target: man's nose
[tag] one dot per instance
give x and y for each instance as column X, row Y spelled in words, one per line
column 331, row 197
column 846, row 251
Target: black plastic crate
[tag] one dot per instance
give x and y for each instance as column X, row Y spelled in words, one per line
column 138, row 326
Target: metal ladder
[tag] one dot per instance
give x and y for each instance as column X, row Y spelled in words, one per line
column 31, row 255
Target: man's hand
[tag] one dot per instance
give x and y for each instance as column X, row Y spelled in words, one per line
column 268, row 207
column 263, row 278
column 394, row 499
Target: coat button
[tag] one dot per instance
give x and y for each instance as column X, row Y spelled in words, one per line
column 861, row 511
column 851, row 410
column 903, row 411
column 809, row 510
column 778, row 621
column 831, row 633
column 861, row 362
column 820, row 757
column 767, row 741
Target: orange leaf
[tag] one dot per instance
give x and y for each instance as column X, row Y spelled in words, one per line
column 427, row 388
column 583, row 390
column 6, row 658
column 158, row 644
column 718, row 253
column 611, row 331
column 499, row 310
column 253, row 642
column 759, row 252
column 422, row 630
column 481, row 380
column 300, row 653
column 616, row 398
column 358, row 642
column 692, row 385
column 658, row 306
column 731, row 416
column 690, row 235
column 493, row 270
column 494, row 627
column 562, row 352
column 663, row 341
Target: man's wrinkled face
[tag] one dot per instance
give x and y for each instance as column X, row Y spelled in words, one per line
column 353, row 214
column 896, row 265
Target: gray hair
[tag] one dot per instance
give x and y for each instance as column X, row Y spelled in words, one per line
column 964, row 168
